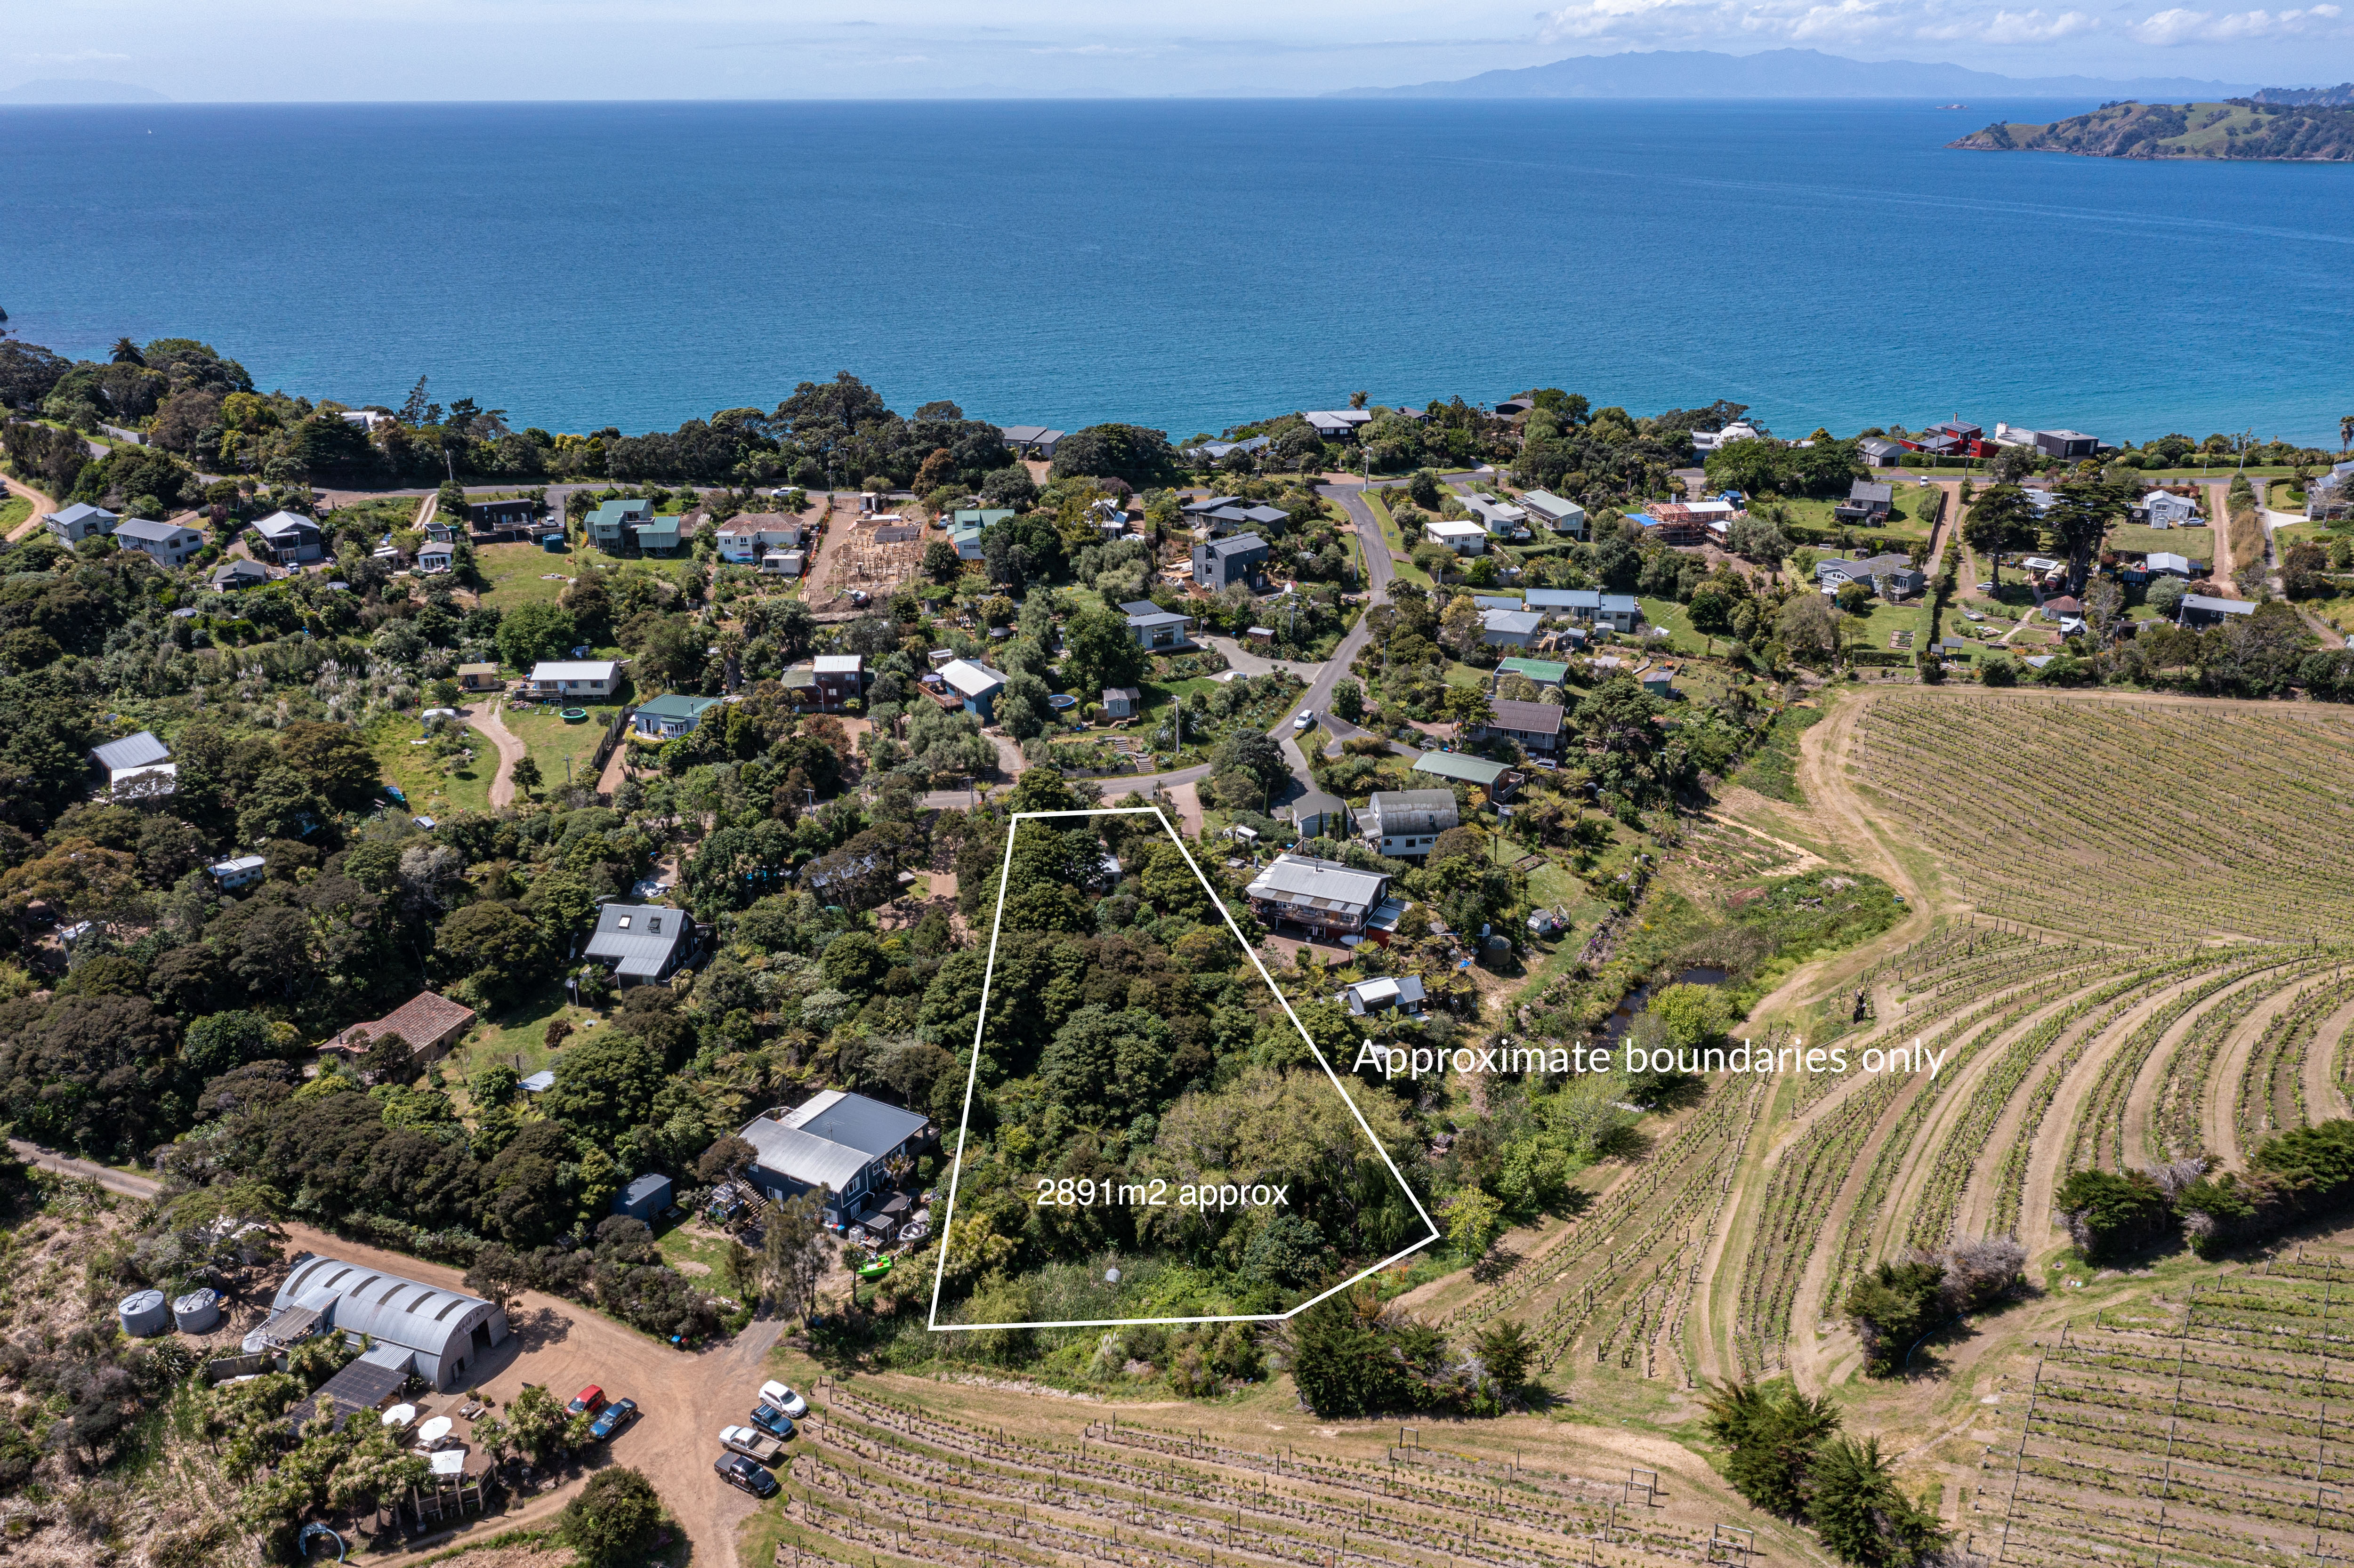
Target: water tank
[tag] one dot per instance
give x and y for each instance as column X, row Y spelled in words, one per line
column 143, row 1315
column 253, row 1343
column 197, row 1312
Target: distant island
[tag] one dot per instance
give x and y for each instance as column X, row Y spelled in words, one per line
column 1780, row 73
column 2292, row 124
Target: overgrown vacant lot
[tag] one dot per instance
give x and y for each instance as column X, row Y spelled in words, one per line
column 2125, row 821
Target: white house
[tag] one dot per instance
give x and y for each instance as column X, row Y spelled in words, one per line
column 166, row 544
column 240, row 871
column 1501, row 518
column 1561, row 516
column 435, row 558
column 575, row 677
column 1402, row 824
column 1463, row 538
column 1710, row 441
column 2163, row 508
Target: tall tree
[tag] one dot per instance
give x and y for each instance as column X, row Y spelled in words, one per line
column 2000, row 519
column 2079, row 520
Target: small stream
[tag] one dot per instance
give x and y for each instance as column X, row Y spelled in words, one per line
column 1639, row 997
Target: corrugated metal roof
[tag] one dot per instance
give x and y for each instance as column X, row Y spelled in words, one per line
column 1535, row 719
column 549, row 670
column 803, row 1156
column 391, row 1307
column 856, row 1122
column 1319, row 884
column 972, row 677
column 641, row 936
column 1455, row 765
column 140, row 750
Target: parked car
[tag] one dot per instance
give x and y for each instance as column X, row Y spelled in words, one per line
column 752, row 1444
column 771, row 1420
column 744, row 1476
column 588, row 1401
column 616, row 1416
column 1307, row 718
column 782, row 1397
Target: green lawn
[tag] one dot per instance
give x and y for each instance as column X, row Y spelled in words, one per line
column 1883, row 620
column 1670, row 618
column 551, row 741
column 520, row 575
column 13, row 509
column 1905, row 520
column 1469, row 678
column 432, row 791
column 2190, row 544
column 516, row 1034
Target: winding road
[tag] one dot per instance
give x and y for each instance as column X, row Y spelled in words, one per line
column 485, row 717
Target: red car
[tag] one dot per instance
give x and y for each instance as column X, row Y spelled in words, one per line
column 588, row 1401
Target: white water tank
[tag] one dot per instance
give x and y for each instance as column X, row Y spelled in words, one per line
column 197, row 1311
column 144, row 1314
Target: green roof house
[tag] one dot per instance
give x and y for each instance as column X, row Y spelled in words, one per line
column 668, row 717
column 608, row 524
column 1493, row 777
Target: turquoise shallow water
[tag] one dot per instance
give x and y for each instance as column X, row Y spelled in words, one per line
column 1190, row 264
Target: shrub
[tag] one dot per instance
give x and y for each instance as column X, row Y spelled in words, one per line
column 613, row 1520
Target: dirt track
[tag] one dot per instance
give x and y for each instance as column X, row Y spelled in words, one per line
column 484, row 717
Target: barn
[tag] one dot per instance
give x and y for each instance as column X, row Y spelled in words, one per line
column 436, row 1333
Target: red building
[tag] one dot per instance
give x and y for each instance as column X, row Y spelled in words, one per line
column 1952, row 439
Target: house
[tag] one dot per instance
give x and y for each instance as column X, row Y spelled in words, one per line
column 839, row 676
column 981, row 516
column 1536, row 728
column 1494, row 777
column 1543, row 671
column 1155, row 628
column 1122, row 702
column 238, row 871
column 150, row 784
column 1338, row 424
column 1954, row 438
column 1224, row 563
column 1868, row 501
column 1714, row 515
column 743, row 538
column 1500, row 518
column 240, row 573
column 608, row 525
column 1402, row 992
column 1327, row 898
column 967, row 541
column 502, row 516
column 1659, row 680
column 784, row 563
column 1198, row 510
column 1880, row 451
column 2328, row 495
column 1244, row 519
column 1463, row 538
column 478, row 677
column 2163, row 508
column 1316, row 815
column 1217, row 452
column 576, row 678
column 410, row 1327
column 435, row 558
column 1561, row 516
column 2062, row 608
column 1672, row 522
column 2169, row 562
column 658, row 533
column 2066, row 443
column 843, row 1146
column 1509, row 628
column 1402, row 824
column 643, row 1199
column 1619, row 612
column 138, row 751
column 289, row 539
column 440, row 532
column 166, row 544
column 1714, row 441
column 641, row 941
column 79, row 522
column 976, row 685
column 667, row 718
column 429, row 1022
column 1031, row 440
column 2203, row 610
column 1891, row 576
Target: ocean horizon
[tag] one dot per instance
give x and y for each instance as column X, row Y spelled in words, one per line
column 1190, row 264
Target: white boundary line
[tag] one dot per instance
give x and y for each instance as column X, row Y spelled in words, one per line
column 972, row 1074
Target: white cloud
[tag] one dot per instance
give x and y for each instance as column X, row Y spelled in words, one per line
column 1707, row 23
column 2181, row 26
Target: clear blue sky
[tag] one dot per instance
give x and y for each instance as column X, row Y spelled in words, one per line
column 251, row 50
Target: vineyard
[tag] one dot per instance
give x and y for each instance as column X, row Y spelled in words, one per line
column 2190, row 1428
column 2123, row 821
column 2129, row 941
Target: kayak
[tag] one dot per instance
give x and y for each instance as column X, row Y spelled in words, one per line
column 875, row 1270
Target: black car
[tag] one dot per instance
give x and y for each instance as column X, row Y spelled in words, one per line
column 744, row 1476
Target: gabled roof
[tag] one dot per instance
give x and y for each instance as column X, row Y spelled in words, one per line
column 613, row 514
column 1236, row 546
column 140, row 750
column 2217, row 606
column 839, row 664
column 1455, row 765
column 855, row 1121
column 1543, row 671
column 971, row 678
column 240, row 570
column 640, row 936
column 420, row 1021
column 80, row 512
column 278, row 523
column 1564, row 598
column 674, row 705
column 1159, row 617
column 1534, row 718
column 1545, row 504
column 153, row 532
column 1866, row 490
column 1393, row 804
column 1319, row 884
column 548, row 670
column 1519, row 622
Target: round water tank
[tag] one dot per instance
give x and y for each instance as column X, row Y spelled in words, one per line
column 197, row 1311
column 143, row 1314
column 253, row 1342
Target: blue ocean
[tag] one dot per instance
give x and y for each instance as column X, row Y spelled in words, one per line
column 1190, row 264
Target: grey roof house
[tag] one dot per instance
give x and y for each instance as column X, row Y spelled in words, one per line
column 1867, row 501
column 1509, row 627
column 1154, row 628
column 79, row 522
column 291, row 539
column 837, row 1143
column 1535, row 726
column 1224, row 563
column 1402, row 992
column 641, row 941
column 166, row 544
column 1322, row 895
column 1891, row 575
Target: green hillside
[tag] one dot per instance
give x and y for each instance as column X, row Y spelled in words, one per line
column 2241, row 128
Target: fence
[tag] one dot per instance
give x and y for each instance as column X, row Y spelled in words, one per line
column 605, row 747
column 237, row 1366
